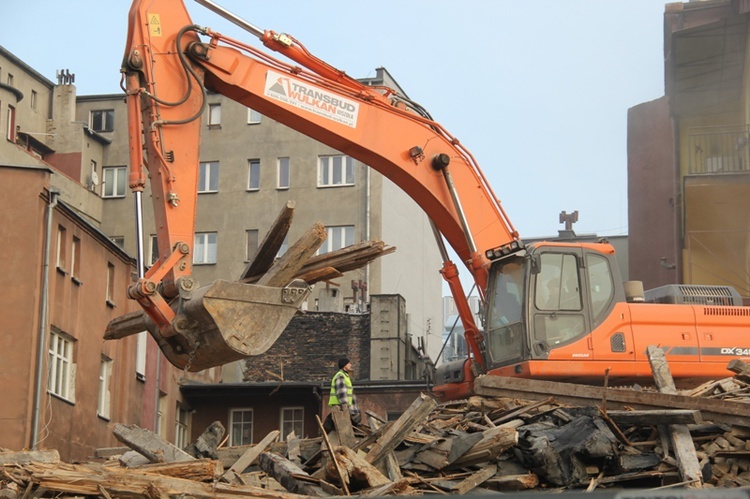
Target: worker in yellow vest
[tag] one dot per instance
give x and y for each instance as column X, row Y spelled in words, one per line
column 342, row 391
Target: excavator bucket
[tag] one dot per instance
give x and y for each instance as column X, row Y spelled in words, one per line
column 228, row 321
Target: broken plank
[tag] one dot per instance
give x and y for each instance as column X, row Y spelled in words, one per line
column 30, row 456
column 201, row 470
column 121, row 482
column 205, row 445
column 149, row 444
column 475, row 480
column 684, row 448
column 358, row 473
column 509, row 483
column 271, row 244
column 251, row 454
column 284, row 472
column 655, row 417
column 283, row 271
column 413, row 416
column 343, row 423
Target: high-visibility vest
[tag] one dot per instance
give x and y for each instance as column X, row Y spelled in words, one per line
column 333, row 399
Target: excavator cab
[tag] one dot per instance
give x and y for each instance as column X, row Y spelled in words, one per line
column 551, row 295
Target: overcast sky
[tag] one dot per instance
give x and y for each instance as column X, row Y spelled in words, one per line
column 538, row 91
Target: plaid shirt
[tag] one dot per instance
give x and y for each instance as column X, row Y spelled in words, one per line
column 343, row 395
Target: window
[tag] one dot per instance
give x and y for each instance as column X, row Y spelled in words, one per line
column 115, row 180
column 292, row 420
column 33, row 99
column 105, row 373
column 153, row 250
column 9, row 79
column 240, row 427
column 75, row 257
column 161, row 416
column 182, row 427
column 253, row 116
column 252, row 244
column 204, row 248
column 338, row 237
column 335, row 170
column 253, row 174
column 283, row 166
column 600, row 285
column 61, row 244
column 119, row 241
column 140, row 356
column 208, row 177
column 214, row 114
column 61, row 368
column 103, row 120
column 110, row 284
column 10, row 124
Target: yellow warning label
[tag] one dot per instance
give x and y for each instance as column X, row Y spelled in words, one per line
column 154, row 25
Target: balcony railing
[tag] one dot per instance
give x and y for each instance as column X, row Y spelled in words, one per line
column 720, row 149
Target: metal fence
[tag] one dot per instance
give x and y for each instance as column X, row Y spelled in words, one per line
column 721, row 149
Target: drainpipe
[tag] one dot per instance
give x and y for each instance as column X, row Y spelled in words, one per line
column 43, row 319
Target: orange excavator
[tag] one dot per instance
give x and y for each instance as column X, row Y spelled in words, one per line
column 551, row 310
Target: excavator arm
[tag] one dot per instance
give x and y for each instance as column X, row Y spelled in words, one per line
column 169, row 65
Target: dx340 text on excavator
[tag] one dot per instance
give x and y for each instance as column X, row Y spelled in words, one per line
column 551, row 310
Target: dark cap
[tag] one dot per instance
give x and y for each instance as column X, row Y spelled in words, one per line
column 343, row 361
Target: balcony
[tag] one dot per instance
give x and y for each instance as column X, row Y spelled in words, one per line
column 720, row 149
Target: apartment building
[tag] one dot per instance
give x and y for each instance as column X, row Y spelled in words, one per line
column 689, row 154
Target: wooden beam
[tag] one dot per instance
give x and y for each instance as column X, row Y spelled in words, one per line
column 405, row 424
column 284, row 472
column 717, row 411
column 475, row 480
column 149, row 444
column 251, row 454
column 283, row 271
column 343, row 423
column 682, row 442
column 269, row 247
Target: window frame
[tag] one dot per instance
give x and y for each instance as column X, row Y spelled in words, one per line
column 182, row 426
column 253, row 164
column 75, row 257
column 214, row 115
column 61, row 366
column 283, row 165
column 207, row 244
column 105, row 116
column 110, row 296
column 103, row 409
column 61, row 249
column 254, row 117
column 120, row 181
column 232, row 424
column 328, row 171
column 293, row 421
column 208, row 177
column 10, row 130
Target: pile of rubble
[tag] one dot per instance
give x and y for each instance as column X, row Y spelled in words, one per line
column 514, row 435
